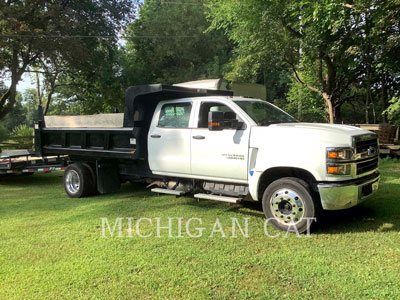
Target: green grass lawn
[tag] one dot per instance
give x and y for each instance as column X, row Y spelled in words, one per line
column 51, row 248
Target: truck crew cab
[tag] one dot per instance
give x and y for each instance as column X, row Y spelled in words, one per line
column 220, row 147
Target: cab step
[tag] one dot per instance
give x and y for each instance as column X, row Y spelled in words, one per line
column 167, row 191
column 218, row 198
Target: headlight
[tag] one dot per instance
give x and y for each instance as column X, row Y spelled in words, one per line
column 338, row 154
column 338, row 169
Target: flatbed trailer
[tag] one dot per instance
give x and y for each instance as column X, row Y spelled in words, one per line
column 21, row 162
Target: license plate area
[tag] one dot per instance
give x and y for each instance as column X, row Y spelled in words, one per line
column 366, row 190
column 369, row 188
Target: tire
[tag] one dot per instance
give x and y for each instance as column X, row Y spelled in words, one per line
column 288, row 204
column 79, row 181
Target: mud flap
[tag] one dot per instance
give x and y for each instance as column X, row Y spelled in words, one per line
column 107, row 177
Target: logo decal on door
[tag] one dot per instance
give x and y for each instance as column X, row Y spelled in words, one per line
column 233, row 156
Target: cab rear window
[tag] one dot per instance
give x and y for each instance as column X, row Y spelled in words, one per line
column 175, row 115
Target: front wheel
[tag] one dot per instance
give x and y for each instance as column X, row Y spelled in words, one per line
column 289, row 205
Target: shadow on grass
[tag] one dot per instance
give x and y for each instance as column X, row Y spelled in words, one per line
column 45, row 192
column 381, row 213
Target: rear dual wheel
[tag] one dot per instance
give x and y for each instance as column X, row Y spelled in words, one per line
column 79, row 181
column 289, row 205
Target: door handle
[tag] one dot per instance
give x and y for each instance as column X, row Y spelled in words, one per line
column 155, row 136
column 198, row 137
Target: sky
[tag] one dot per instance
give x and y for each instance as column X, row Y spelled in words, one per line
column 23, row 84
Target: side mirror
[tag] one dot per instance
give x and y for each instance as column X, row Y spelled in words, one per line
column 238, row 125
column 215, row 120
column 231, row 121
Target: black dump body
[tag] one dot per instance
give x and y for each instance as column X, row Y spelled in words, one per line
column 115, row 143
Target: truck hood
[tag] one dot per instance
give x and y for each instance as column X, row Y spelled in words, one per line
column 305, row 134
column 326, row 129
column 300, row 145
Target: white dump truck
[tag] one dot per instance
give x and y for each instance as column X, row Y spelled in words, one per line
column 219, row 147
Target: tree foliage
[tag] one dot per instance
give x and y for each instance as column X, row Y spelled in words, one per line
column 393, row 111
column 168, row 43
column 342, row 44
column 41, row 32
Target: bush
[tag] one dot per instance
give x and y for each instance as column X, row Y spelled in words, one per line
column 22, row 131
column 3, row 133
column 393, row 111
column 20, row 138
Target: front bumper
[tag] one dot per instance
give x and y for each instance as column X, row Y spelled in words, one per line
column 341, row 195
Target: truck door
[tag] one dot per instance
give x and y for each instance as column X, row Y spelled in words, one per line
column 169, row 138
column 222, row 154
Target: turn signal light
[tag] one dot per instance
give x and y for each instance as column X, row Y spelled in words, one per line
column 339, row 153
column 214, row 123
column 333, row 170
column 333, row 155
column 341, row 169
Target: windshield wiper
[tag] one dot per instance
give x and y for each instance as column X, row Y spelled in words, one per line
column 266, row 123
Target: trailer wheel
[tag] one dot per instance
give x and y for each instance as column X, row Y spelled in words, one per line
column 289, row 206
column 78, row 181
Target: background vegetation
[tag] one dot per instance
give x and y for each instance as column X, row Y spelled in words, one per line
column 336, row 61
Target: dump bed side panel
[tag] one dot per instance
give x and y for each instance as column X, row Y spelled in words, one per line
column 96, row 142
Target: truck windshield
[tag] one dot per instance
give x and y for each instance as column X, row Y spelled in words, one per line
column 264, row 113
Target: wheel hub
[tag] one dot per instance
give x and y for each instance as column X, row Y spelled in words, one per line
column 287, row 207
column 73, row 182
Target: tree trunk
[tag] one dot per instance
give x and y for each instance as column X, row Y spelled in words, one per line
column 373, row 112
column 7, row 100
column 384, row 97
column 49, row 97
column 329, row 107
column 368, row 100
column 52, row 88
column 39, row 92
column 337, row 116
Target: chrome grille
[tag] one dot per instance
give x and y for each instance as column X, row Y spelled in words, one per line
column 366, row 152
column 366, row 166
column 365, row 146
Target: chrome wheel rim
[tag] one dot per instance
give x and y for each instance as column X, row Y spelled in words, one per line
column 73, row 182
column 287, row 207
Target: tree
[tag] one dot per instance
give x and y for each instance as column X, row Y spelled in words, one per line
column 393, row 111
column 304, row 104
column 101, row 89
column 169, row 43
column 326, row 39
column 35, row 30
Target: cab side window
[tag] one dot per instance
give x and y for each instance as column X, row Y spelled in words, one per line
column 175, row 115
column 206, row 107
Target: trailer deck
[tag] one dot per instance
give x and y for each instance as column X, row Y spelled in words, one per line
column 25, row 162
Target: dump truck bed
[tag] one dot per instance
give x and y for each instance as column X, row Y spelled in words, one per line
column 110, row 136
column 116, row 143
